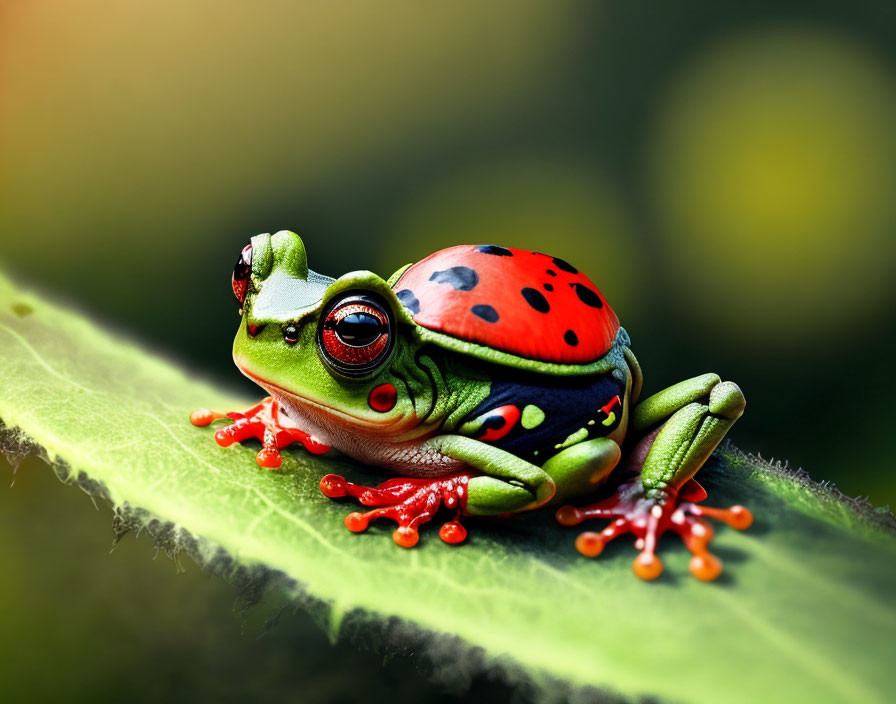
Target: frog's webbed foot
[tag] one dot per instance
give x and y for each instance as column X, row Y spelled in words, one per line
column 264, row 421
column 409, row 501
column 648, row 517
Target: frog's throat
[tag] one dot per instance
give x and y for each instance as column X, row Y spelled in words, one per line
column 405, row 427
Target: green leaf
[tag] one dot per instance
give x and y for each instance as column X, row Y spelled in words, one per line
column 804, row 612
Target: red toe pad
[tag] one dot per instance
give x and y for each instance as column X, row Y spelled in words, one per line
column 263, row 421
column 408, row 501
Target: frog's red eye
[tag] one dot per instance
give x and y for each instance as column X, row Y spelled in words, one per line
column 355, row 334
column 241, row 271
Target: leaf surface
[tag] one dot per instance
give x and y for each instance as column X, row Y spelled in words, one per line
column 804, row 612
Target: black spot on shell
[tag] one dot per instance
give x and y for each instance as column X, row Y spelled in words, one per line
column 571, row 338
column 409, row 300
column 548, row 287
column 551, row 272
column 587, row 296
column 536, row 299
column 564, row 265
column 494, row 249
column 486, row 312
column 463, row 278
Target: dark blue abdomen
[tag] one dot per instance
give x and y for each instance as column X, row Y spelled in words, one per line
column 534, row 417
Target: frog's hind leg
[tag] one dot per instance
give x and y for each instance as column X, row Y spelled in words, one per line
column 691, row 418
column 684, row 424
column 578, row 469
column 494, row 482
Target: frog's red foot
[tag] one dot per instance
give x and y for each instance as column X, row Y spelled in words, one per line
column 410, row 502
column 648, row 518
column 264, row 421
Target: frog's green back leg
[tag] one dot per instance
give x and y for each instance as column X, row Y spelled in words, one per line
column 508, row 484
column 579, row 469
column 511, row 484
column 693, row 417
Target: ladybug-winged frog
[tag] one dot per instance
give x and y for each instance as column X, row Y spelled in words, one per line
column 492, row 380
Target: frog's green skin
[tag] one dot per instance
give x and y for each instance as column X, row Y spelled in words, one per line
column 441, row 380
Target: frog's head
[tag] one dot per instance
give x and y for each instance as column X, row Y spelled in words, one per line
column 334, row 351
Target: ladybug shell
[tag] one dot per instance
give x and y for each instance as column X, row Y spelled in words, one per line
column 524, row 303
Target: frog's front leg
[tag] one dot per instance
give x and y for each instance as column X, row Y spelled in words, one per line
column 683, row 425
column 264, row 421
column 496, row 482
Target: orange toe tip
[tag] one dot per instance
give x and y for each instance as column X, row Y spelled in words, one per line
column 647, row 566
column 740, row 517
column 568, row 516
column 223, row 438
column 405, row 537
column 705, row 567
column 590, row 544
column 333, row 486
column 202, row 417
column 357, row 522
column 453, row 533
column 269, row 459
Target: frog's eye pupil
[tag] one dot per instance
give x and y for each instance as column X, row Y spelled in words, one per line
column 291, row 334
column 355, row 334
column 359, row 329
column 241, row 271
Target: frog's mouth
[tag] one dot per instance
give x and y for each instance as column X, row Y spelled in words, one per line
column 400, row 424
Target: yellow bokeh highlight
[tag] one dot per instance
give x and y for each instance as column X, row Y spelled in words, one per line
column 556, row 205
column 773, row 168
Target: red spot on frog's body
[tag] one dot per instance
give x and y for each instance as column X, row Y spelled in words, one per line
column 648, row 519
column 382, row 398
column 505, row 418
column 409, row 501
column 611, row 404
column 263, row 422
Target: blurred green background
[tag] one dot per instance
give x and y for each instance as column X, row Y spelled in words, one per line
column 725, row 173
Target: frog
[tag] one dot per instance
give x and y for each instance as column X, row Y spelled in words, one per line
column 491, row 381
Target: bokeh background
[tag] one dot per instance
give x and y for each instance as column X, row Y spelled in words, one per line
column 725, row 173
